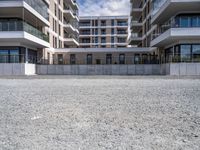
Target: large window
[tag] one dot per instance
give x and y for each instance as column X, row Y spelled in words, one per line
column 12, row 55
column 60, row 59
column 196, row 53
column 184, row 22
column 185, row 53
column 187, row 20
column 4, row 56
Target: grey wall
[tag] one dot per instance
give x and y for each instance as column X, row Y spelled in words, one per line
column 181, row 69
column 100, row 69
column 17, row 69
column 177, row 69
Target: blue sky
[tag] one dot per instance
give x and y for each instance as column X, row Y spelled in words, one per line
column 104, row 7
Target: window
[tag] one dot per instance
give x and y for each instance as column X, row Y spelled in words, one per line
column 113, row 31
column 96, row 39
column 196, row 53
column 96, row 31
column 137, row 59
column 122, row 59
column 59, row 29
column 12, row 25
column 103, row 31
column 89, row 59
column 113, row 22
column 185, row 53
column 72, row 59
column 109, row 59
column 55, row 9
column 195, row 21
column 4, row 26
column 4, row 56
column 103, row 40
column 112, row 39
column 60, row 59
column 145, row 59
column 184, row 21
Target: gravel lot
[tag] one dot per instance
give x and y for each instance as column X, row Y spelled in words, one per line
column 99, row 113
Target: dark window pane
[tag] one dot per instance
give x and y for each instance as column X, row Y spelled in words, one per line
column 184, row 22
column 185, row 53
column 121, row 59
column 89, row 59
column 196, row 53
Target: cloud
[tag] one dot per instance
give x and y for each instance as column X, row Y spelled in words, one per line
column 104, row 7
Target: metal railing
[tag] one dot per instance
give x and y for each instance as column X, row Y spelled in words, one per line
column 22, row 26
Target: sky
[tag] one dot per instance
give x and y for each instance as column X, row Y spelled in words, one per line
column 104, row 7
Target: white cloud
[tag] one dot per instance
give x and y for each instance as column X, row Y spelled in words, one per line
column 105, row 8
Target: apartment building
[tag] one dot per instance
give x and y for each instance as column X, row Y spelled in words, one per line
column 30, row 30
column 170, row 26
column 103, row 31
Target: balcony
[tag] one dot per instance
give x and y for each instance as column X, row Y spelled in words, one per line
column 180, row 28
column 22, row 32
column 163, row 10
column 69, row 12
column 72, row 3
column 71, row 39
column 122, row 32
column 37, row 8
column 135, row 39
column 72, row 25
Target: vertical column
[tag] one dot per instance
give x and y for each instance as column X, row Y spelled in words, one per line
column 26, row 58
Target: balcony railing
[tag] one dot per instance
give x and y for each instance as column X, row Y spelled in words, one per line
column 135, row 35
column 176, row 23
column 39, row 5
column 22, row 26
column 71, row 36
column 122, row 24
column 157, row 4
column 85, row 33
column 75, row 12
column 121, row 32
column 84, row 24
column 74, row 24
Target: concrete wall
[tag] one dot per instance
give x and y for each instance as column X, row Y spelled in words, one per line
column 17, row 69
column 177, row 69
column 99, row 69
column 183, row 69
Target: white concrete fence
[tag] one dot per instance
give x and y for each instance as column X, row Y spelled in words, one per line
column 177, row 69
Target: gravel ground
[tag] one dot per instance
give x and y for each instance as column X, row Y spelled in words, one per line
column 99, row 113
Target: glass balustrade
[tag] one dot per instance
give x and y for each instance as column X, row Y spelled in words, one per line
column 38, row 5
column 22, row 26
